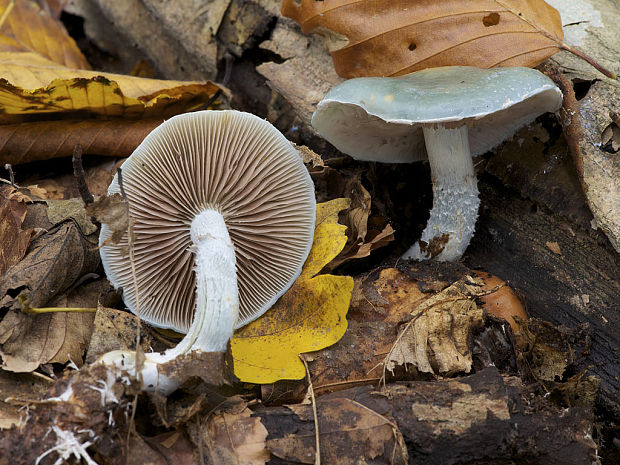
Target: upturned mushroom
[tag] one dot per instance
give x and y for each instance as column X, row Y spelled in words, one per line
column 223, row 212
column 444, row 114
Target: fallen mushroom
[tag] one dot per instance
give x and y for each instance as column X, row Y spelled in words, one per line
column 223, row 212
column 444, row 114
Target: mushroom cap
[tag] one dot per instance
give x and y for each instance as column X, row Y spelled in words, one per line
column 229, row 161
column 381, row 119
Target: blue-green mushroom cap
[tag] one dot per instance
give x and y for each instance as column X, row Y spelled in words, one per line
column 381, row 119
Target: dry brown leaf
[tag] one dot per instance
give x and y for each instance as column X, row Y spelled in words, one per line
column 27, row 28
column 546, row 351
column 32, row 340
column 73, row 209
column 32, row 71
column 114, row 330
column 350, row 433
column 13, row 239
column 113, row 211
column 578, row 391
column 361, row 239
column 358, row 212
column 610, row 138
column 436, row 340
column 54, row 262
column 387, row 38
column 381, row 301
column 42, row 140
column 100, row 97
column 235, row 438
column 309, row 156
column 164, row 449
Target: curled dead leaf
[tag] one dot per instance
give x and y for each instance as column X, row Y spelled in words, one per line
column 55, row 261
column 114, row 212
column 42, row 140
column 235, row 438
column 13, row 239
column 500, row 301
column 370, row 38
column 437, row 338
column 28, row 28
column 546, row 350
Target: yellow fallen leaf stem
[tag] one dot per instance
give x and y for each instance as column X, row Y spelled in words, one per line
column 41, row 310
column 26, row 308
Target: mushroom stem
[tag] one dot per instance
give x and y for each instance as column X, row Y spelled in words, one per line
column 217, row 305
column 217, row 296
column 455, row 195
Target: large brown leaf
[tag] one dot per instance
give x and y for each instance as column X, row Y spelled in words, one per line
column 395, row 37
column 32, row 340
column 13, row 239
column 42, row 140
column 56, row 260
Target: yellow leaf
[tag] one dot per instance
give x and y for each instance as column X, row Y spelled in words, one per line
column 32, row 71
column 102, row 97
column 27, row 28
column 310, row 316
column 47, row 106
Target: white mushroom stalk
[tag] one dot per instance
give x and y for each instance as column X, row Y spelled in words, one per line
column 217, row 305
column 223, row 212
column 217, row 296
column 455, row 195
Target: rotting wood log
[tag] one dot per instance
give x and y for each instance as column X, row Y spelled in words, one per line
column 482, row 418
column 579, row 285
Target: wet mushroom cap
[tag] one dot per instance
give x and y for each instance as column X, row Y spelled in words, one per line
column 380, row 119
column 229, row 161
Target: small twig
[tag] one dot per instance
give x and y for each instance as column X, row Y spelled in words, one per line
column 346, row 383
column 317, row 455
column 11, row 174
column 570, row 120
column 377, row 414
column 132, row 261
column 201, row 453
column 132, row 424
column 228, row 70
column 80, row 176
column 227, row 73
column 595, row 64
